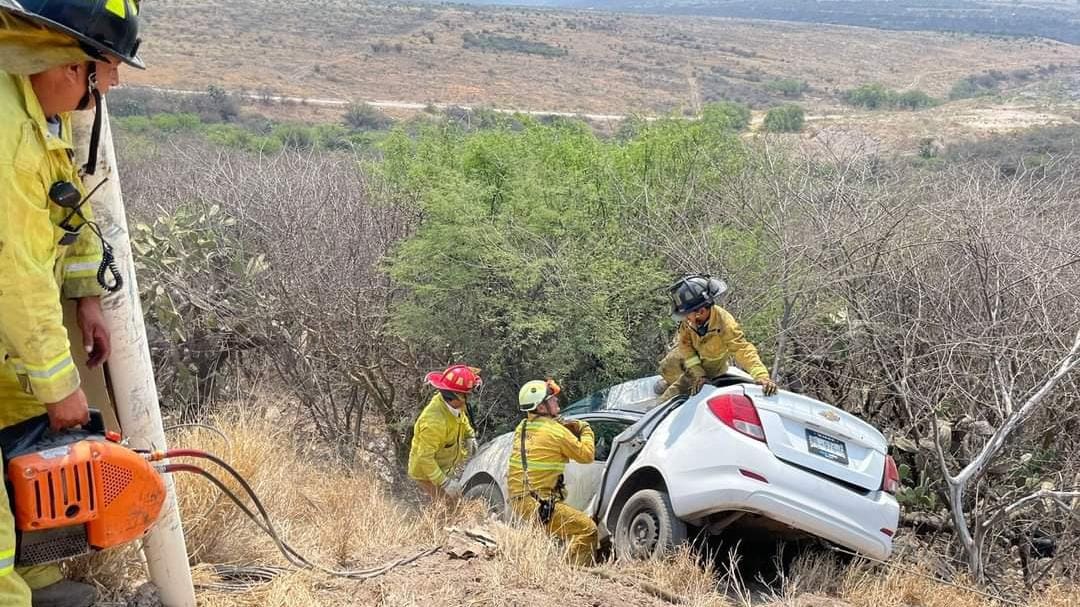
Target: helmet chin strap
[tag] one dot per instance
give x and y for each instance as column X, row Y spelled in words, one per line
column 95, row 133
column 108, row 262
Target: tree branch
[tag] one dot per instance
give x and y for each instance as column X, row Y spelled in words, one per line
column 977, row 465
column 1057, row 496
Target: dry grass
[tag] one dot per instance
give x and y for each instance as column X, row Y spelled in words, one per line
column 340, row 518
column 346, row 518
column 614, row 64
column 681, row 574
column 317, row 507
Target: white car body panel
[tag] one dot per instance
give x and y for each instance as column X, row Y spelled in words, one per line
column 701, row 460
column 582, row 481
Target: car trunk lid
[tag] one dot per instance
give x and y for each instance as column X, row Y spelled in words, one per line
column 821, row 438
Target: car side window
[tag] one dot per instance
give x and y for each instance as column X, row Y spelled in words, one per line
column 605, row 431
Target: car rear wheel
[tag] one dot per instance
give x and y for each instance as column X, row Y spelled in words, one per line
column 647, row 526
column 489, row 493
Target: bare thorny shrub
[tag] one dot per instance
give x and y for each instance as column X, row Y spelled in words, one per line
column 940, row 305
column 310, row 313
column 973, row 315
column 934, row 304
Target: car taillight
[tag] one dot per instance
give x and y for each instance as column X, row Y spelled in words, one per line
column 891, row 482
column 738, row 413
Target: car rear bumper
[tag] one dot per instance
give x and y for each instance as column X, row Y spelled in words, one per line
column 803, row 515
column 711, row 469
column 792, row 496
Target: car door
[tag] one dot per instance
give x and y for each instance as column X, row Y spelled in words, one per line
column 623, row 452
column 583, row 480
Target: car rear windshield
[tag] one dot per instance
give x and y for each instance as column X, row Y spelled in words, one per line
column 636, row 396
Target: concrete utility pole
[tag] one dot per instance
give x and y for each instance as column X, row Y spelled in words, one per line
column 129, row 369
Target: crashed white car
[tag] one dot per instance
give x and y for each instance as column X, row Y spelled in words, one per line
column 788, row 464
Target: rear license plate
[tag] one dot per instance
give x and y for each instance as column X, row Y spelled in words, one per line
column 827, row 447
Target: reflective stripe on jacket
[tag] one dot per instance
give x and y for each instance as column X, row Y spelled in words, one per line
column 32, row 159
column 710, row 354
column 438, row 442
column 548, row 447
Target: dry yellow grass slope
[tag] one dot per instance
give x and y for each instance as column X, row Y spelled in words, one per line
column 347, row 518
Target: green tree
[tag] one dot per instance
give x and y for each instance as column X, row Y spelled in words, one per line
column 787, row 118
column 726, row 115
column 526, row 261
column 914, row 100
column 175, row 123
column 870, row 96
column 295, row 136
column 876, row 97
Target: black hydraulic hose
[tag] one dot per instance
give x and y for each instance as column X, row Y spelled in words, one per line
column 266, row 524
column 286, row 550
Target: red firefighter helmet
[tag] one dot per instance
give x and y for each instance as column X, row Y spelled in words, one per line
column 457, row 378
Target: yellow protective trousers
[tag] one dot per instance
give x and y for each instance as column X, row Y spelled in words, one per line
column 15, row 585
column 571, row 526
column 678, row 380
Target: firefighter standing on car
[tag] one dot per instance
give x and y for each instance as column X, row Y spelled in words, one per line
column 443, row 436
column 543, row 444
column 707, row 339
column 56, row 56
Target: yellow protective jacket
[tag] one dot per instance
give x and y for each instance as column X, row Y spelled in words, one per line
column 548, row 447
column 709, row 355
column 33, row 266
column 438, row 442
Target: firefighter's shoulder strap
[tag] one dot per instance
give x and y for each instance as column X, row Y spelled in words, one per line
column 525, row 460
column 545, row 507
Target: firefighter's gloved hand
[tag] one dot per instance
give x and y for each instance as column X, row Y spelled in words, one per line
column 471, row 446
column 573, row 425
column 660, row 386
column 768, row 386
column 452, row 487
column 696, row 386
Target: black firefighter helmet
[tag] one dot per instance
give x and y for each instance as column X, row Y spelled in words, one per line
column 103, row 28
column 694, row 292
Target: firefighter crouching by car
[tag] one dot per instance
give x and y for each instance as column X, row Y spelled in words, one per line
column 707, row 339
column 542, row 447
column 443, row 436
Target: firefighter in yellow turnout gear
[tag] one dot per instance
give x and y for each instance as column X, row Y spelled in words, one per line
column 443, row 436
column 542, row 447
column 707, row 340
column 56, row 56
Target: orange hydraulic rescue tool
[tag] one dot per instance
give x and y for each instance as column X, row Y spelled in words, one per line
column 81, row 491
column 78, row 491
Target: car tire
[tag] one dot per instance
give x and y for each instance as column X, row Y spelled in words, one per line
column 489, row 493
column 647, row 526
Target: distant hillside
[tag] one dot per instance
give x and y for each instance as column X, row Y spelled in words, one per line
column 554, row 60
column 1055, row 19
